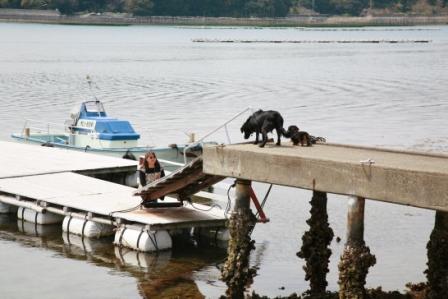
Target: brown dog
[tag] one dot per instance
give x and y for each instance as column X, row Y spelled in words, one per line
column 298, row 136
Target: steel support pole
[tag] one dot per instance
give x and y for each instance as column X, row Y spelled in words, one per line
column 355, row 220
column 242, row 201
column 356, row 258
column 236, row 271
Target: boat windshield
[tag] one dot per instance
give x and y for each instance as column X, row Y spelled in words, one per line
column 94, row 106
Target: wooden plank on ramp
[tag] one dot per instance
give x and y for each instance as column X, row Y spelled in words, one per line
column 184, row 182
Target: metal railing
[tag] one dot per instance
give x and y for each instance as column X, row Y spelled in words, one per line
column 48, row 127
column 224, row 125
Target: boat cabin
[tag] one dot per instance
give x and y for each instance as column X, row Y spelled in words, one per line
column 93, row 118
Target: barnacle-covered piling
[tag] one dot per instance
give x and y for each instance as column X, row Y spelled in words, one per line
column 437, row 272
column 315, row 245
column 236, row 272
column 356, row 259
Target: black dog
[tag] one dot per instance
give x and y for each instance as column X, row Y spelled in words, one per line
column 302, row 137
column 263, row 122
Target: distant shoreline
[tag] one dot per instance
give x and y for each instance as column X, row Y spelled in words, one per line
column 53, row 17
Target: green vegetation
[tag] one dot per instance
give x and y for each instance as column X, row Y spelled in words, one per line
column 233, row 8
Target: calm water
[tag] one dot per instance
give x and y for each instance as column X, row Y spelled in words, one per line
column 392, row 95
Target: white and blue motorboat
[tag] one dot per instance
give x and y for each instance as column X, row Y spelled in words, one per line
column 89, row 129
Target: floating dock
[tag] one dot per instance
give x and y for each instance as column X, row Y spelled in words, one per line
column 66, row 183
column 20, row 159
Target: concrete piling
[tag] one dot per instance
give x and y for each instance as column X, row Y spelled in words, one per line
column 315, row 245
column 356, row 258
column 437, row 272
column 236, row 271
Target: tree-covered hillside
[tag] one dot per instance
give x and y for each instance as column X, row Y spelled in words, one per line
column 233, row 8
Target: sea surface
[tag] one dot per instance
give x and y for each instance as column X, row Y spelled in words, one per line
column 378, row 94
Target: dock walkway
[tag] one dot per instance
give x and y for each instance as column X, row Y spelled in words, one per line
column 19, row 159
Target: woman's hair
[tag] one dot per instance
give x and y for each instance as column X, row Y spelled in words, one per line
column 156, row 165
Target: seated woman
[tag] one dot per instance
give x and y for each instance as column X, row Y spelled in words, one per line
column 150, row 170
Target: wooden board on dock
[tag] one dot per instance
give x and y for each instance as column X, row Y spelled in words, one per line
column 88, row 194
column 184, row 182
column 19, row 159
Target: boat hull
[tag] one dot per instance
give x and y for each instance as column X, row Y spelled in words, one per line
column 172, row 152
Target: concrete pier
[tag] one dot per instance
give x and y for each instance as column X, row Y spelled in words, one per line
column 400, row 177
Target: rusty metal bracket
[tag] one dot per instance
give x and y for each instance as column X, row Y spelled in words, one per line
column 260, row 211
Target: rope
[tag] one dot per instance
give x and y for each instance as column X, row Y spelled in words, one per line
column 35, row 217
column 205, row 210
column 120, row 239
column 154, row 242
column 138, row 239
column 68, row 227
column 83, row 227
column 84, row 246
column 126, row 210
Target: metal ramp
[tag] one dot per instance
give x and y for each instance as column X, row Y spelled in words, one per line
column 184, row 182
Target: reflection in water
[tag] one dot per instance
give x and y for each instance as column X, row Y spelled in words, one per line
column 167, row 274
column 38, row 230
column 140, row 260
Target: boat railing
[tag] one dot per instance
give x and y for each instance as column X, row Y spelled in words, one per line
column 224, row 125
column 43, row 127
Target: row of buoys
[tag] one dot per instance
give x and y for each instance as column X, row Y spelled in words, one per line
column 379, row 41
column 86, row 228
column 77, row 245
column 143, row 239
column 33, row 216
column 136, row 237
